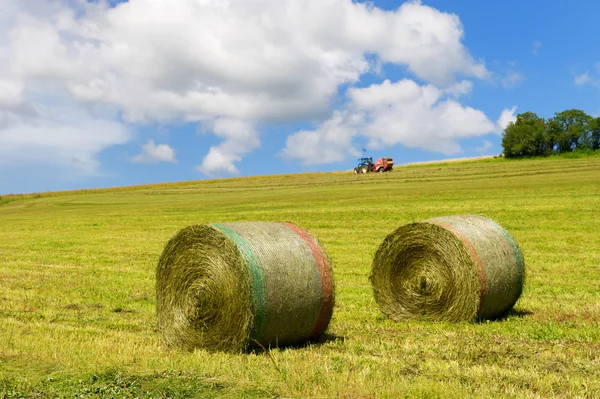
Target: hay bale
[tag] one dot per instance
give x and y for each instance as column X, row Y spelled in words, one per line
column 448, row 268
column 227, row 286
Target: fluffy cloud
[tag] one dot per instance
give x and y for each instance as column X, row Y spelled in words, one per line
column 58, row 135
column 329, row 143
column 240, row 138
column 507, row 116
column 212, row 60
column 388, row 114
column 155, row 153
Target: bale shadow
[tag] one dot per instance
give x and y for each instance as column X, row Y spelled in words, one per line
column 326, row 338
column 257, row 349
column 513, row 313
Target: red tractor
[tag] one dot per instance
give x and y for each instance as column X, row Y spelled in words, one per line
column 366, row 165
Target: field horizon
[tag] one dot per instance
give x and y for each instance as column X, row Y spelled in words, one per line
column 148, row 185
column 77, row 274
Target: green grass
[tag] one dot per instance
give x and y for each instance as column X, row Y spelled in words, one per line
column 77, row 310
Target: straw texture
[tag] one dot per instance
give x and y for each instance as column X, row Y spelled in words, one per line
column 227, row 286
column 448, row 268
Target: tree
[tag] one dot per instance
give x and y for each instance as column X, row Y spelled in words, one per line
column 571, row 129
column 552, row 134
column 594, row 134
column 525, row 137
column 511, row 141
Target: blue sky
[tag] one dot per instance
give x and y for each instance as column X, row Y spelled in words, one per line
column 104, row 95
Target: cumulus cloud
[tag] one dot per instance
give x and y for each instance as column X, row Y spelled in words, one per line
column 389, row 114
column 155, row 153
column 506, row 116
column 240, row 138
column 329, row 143
column 58, row 135
column 212, row 60
column 460, row 88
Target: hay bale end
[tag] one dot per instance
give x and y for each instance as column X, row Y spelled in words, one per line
column 450, row 268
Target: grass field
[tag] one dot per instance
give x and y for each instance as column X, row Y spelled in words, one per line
column 77, row 308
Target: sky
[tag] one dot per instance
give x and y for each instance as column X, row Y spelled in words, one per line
column 103, row 94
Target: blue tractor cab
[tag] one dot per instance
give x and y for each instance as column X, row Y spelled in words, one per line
column 365, row 165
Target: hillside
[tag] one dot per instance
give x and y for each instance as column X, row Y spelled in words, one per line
column 77, row 308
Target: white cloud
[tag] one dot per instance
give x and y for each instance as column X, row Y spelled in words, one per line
column 511, row 79
column 58, row 135
column 189, row 60
column 460, row 88
column 537, row 45
column 586, row 79
column 329, row 143
column 240, row 138
column 583, row 79
column 506, row 116
column 388, row 114
column 484, row 147
column 10, row 92
column 155, row 153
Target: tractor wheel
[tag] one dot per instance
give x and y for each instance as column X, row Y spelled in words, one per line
column 355, row 170
column 364, row 169
column 381, row 169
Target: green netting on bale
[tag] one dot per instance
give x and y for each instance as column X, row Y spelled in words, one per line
column 448, row 268
column 227, row 286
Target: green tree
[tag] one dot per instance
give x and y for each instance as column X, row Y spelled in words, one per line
column 552, row 134
column 570, row 129
column 594, row 134
column 525, row 137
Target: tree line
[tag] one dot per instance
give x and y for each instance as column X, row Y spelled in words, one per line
column 566, row 131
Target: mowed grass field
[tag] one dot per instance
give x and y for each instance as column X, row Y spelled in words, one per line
column 77, row 275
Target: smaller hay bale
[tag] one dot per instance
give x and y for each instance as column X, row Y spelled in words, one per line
column 448, row 268
column 226, row 287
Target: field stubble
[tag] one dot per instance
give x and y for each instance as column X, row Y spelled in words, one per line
column 77, row 274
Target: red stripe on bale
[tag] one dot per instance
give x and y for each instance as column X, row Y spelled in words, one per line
column 326, row 279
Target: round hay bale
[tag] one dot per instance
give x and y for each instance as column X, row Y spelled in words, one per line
column 229, row 286
column 448, row 268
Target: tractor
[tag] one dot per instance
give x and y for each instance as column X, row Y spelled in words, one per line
column 366, row 165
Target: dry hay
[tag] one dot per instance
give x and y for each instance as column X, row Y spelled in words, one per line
column 229, row 286
column 448, row 268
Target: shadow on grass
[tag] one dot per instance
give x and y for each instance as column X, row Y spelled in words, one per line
column 513, row 313
column 257, row 349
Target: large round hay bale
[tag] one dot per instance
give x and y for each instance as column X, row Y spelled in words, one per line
column 234, row 285
column 448, row 268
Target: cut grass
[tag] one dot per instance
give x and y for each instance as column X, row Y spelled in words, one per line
column 113, row 384
column 68, row 261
